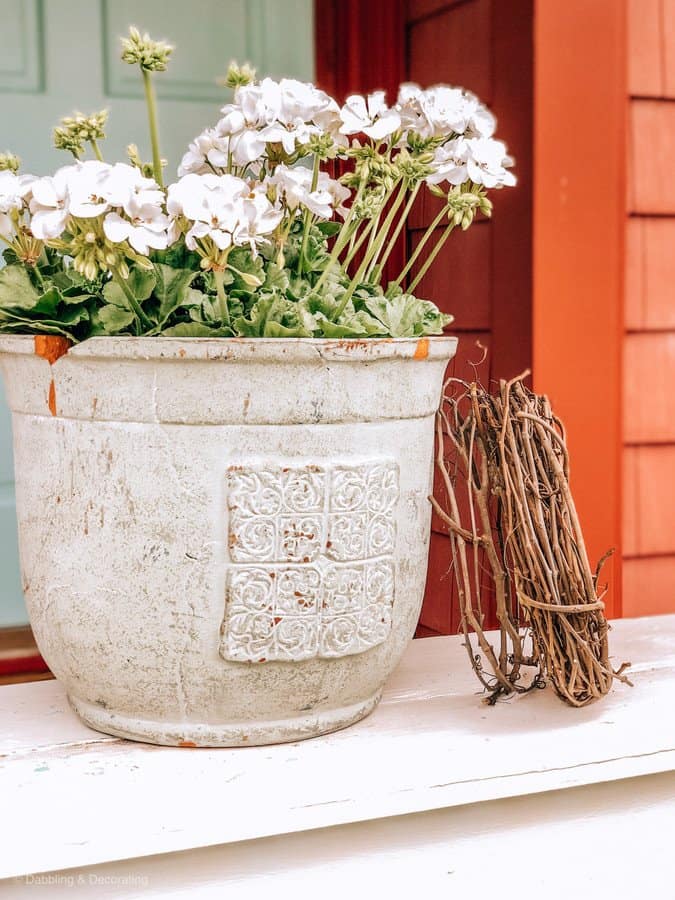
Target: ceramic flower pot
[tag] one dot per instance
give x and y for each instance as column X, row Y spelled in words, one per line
column 223, row 542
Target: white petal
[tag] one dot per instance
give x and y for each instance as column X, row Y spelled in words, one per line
column 116, row 228
column 222, row 239
column 48, row 224
column 6, row 226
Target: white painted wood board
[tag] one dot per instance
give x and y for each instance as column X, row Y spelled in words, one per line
column 74, row 798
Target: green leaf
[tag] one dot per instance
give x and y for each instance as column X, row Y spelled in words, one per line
column 30, row 326
column 243, row 264
column 193, row 297
column 178, row 257
column 276, row 279
column 272, row 316
column 276, row 330
column 329, row 229
column 16, row 289
column 48, row 303
column 111, row 320
column 140, row 281
column 406, row 316
column 358, row 324
column 171, row 289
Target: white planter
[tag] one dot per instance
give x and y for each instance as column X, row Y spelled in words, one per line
column 224, row 542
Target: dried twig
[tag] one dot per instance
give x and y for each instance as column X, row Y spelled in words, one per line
column 510, row 515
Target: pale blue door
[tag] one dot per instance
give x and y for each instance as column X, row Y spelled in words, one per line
column 60, row 55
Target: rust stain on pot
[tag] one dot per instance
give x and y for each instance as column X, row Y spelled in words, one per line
column 51, row 347
column 422, row 349
column 186, row 744
column 51, row 402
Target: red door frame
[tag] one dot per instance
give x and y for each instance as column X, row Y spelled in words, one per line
column 580, row 111
column 580, row 116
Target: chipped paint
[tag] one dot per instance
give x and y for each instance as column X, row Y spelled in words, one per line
column 422, row 349
column 145, row 584
column 51, row 347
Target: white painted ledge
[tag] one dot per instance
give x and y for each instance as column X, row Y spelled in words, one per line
column 73, row 798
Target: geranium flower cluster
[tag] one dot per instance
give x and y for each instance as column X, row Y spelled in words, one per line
column 268, row 241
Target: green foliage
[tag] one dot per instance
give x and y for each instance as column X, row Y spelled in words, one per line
column 264, row 298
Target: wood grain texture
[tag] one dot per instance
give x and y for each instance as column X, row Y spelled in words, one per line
column 652, row 513
column 460, row 281
column 453, row 47
column 652, row 150
column 172, row 800
column 580, row 73
column 650, row 274
column 649, row 389
column 484, row 276
column 649, row 585
column 645, row 48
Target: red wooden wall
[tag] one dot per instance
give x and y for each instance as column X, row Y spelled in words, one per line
column 649, row 342
column 482, row 276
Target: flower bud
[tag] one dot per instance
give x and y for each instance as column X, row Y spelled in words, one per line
column 238, row 76
column 9, row 162
column 90, row 270
column 140, row 49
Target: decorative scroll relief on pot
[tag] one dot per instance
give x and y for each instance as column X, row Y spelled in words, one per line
column 311, row 567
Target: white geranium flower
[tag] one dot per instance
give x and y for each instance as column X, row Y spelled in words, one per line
column 294, row 185
column 145, row 225
column 142, row 234
column 232, row 122
column 481, row 121
column 246, row 147
column 262, row 218
column 450, row 163
column 303, row 101
column 124, row 186
column 85, row 183
column 371, row 116
column 195, row 158
column 222, row 208
column 441, row 111
column 288, row 134
column 445, row 110
column 13, row 191
column 49, row 204
column 487, row 162
column 260, row 102
column 192, row 194
column 89, row 189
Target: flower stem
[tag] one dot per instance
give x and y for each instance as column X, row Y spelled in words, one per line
column 308, row 216
column 432, row 256
column 377, row 271
column 343, row 237
column 151, row 102
column 38, row 274
column 427, row 234
column 355, row 244
column 142, row 320
column 370, row 254
column 220, row 290
column 389, row 221
column 96, row 149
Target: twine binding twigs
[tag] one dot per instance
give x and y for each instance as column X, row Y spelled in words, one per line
column 514, row 533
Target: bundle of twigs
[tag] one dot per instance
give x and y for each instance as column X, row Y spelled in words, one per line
column 515, row 535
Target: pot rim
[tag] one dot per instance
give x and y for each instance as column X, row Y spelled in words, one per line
column 253, row 349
